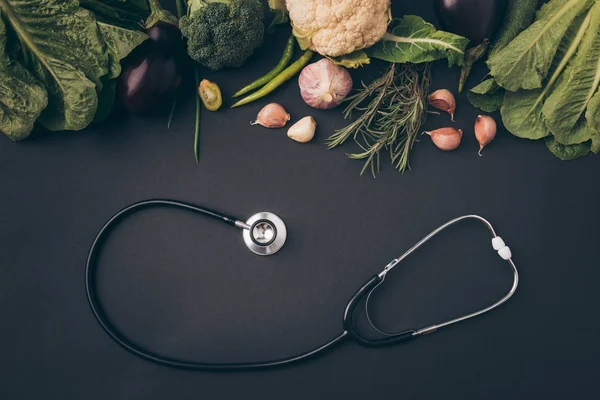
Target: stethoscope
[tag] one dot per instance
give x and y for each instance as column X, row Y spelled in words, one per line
column 264, row 234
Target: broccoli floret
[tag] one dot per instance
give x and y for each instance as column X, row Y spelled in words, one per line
column 223, row 33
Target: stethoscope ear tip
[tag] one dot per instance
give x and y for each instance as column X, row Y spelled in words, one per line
column 264, row 233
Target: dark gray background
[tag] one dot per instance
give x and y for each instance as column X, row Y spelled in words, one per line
column 187, row 287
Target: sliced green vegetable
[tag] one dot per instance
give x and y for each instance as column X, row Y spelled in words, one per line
column 22, row 96
column 569, row 152
column 522, row 110
column 567, row 104
column 519, row 15
column 487, row 96
column 288, row 52
column 525, row 61
column 355, row 59
column 412, row 39
column 210, row 94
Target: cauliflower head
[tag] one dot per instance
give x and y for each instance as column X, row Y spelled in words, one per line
column 337, row 27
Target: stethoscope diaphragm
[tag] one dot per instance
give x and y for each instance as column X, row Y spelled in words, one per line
column 264, row 233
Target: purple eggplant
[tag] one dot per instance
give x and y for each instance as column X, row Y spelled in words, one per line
column 150, row 79
column 166, row 36
column 474, row 19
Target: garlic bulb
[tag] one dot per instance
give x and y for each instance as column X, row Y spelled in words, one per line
column 446, row 138
column 323, row 84
column 272, row 115
column 443, row 100
column 485, row 130
column 304, row 130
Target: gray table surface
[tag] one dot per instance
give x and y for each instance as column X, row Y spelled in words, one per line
column 187, row 286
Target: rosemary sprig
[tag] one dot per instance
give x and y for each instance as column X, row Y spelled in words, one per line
column 396, row 107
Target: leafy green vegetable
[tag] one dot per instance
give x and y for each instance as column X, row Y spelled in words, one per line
column 119, row 42
column 569, row 152
column 519, row 15
column 22, row 97
column 412, row 39
column 355, row 59
column 577, row 85
column 106, row 100
column 473, row 55
column 525, row 61
column 130, row 14
column 58, row 62
column 64, row 49
column 592, row 114
column 487, row 96
column 595, row 146
column 522, row 110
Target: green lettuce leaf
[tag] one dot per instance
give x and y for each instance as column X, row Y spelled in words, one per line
column 63, row 48
column 130, row 14
column 412, row 39
column 592, row 114
column 595, row 147
column 22, row 96
column 522, row 110
column 564, row 110
column 488, row 96
column 106, row 100
column 120, row 42
column 519, row 15
column 524, row 63
column 568, row 152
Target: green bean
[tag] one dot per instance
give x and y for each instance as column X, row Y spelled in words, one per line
column 279, row 80
column 285, row 60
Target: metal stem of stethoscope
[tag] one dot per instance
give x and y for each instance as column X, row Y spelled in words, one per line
column 433, row 328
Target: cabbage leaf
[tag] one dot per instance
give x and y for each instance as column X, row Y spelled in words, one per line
column 63, row 48
column 412, row 39
column 487, row 96
column 522, row 110
column 568, row 152
column 119, row 42
column 564, row 110
column 22, row 96
column 524, row 63
column 130, row 14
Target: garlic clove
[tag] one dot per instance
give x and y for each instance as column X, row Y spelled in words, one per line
column 446, row 138
column 272, row 115
column 443, row 100
column 324, row 84
column 304, row 130
column 485, row 130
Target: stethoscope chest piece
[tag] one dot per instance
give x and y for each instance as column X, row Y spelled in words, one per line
column 265, row 233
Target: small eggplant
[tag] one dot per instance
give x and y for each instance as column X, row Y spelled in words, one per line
column 149, row 80
column 166, row 36
column 474, row 19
